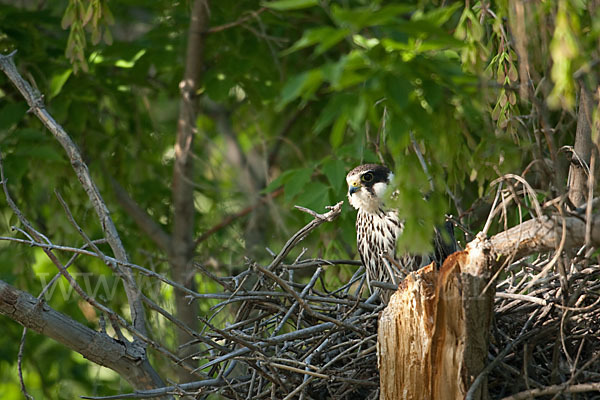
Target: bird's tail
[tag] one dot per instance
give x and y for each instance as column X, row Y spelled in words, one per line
column 444, row 242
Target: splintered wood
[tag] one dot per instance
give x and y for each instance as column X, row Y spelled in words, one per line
column 432, row 337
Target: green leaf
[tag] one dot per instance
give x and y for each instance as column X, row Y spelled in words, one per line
column 12, row 113
column 439, row 16
column 338, row 104
column 315, row 197
column 335, row 171
column 297, row 182
column 41, row 152
column 361, row 17
column 338, row 130
column 29, row 135
column 331, row 40
column 398, row 89
column 312, row 37
column 277, row 182
column 130, row 63
column 304, row 84
column 284, row 5
column 58, row 81
column 293, row 88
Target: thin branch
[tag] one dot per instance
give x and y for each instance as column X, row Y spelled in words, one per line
column 35, row 101
column 329, row 216
column 548, row 390
column 144, row 221
column 252, row 14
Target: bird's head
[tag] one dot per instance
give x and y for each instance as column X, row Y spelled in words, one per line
column 367, row 185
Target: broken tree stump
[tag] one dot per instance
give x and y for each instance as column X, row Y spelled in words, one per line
column 433, row 335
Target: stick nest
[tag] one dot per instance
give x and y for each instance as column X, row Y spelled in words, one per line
column 549, row 337
column 292, row 340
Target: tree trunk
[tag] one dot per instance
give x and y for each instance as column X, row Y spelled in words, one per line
column 182, row 243
column 433, row 335
column 578, row 172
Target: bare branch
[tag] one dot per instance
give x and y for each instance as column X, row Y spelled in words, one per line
column 302, row 233
column 98, row 347
column 35, row 102
column 579, row 170
column 141, row 217
column 252, row 14
column 543, row 234
column 564, row 388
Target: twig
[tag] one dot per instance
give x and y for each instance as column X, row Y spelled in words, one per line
column 141, row 217
column 35, row 102
column 522, row 336
column 252, row 14
column 302, row 233
column 548, row 390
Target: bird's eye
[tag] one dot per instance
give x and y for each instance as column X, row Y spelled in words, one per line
column 367, row 177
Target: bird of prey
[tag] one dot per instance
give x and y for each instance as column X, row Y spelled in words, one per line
column 378, row 228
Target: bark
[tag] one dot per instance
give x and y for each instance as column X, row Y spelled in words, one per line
column 182, row 243
column 128, row 360
column 578, row 177
column 433, row 336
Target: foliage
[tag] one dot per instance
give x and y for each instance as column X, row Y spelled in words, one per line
column 303, row 90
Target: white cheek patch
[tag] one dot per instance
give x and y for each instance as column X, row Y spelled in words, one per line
column 364, row 200
column 379, row 188
column 354, row 201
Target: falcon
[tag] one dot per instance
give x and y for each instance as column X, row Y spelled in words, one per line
column 378, row 229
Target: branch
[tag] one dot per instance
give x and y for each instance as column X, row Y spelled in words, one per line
column 97, row 347
column 333, row 213
column 141, row 217
column 543, row 234
column 252, row 14
column 183, row 201
column 564, row 388
column 582, row 150
column 35, row 102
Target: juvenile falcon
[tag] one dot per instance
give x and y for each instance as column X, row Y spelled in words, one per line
column 378, row 228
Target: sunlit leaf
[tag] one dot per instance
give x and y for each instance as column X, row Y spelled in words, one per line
column 337, row 131
column 285, row 5
column 58, row 81
column 325, row 37
column 361, row 17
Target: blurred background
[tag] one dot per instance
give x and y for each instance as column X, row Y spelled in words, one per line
column 293, row 94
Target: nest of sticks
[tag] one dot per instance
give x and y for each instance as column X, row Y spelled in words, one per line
column 547, row 342
column 292, row 340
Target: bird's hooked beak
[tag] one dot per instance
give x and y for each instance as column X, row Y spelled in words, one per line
column 353, row 187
